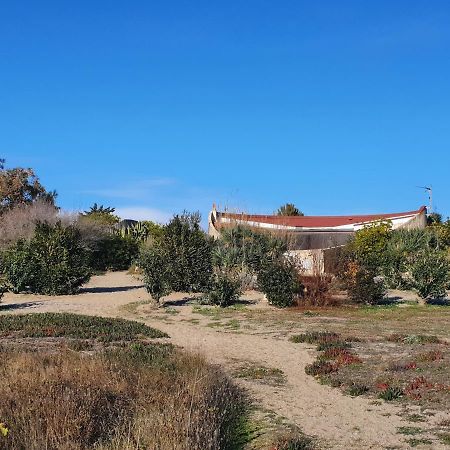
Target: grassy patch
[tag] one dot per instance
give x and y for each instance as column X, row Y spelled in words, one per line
column 315, row 337
column 75, row 326
column 123, row 392
column 414, row 442
column 410, row 431
column 445, row 438
column 269, row 375
column 391, row 393
column 171, row 311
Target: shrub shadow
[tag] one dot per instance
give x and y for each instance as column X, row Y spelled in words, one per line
column 14, row 306
column 439, row 302
column 100, row 289
column 180, row 302
column 394, row 300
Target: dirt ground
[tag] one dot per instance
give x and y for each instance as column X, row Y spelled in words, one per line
column 233, row 340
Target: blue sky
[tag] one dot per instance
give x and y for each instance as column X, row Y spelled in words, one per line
column 155, row 107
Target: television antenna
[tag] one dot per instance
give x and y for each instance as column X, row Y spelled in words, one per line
column 429, row 190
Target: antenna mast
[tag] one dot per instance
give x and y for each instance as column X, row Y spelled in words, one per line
column 429, row 190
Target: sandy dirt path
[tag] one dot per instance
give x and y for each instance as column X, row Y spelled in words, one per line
column 336, row 420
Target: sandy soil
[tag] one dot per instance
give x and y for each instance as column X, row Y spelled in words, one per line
column 336, row 420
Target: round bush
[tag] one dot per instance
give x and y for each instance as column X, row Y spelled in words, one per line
column 53, row 262
column 224, row 291
column 278, row 280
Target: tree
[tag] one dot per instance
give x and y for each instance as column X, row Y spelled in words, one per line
column 20, row 186
column 101, row 215
column 289, row 209
column 434, row 219
column 180, row 259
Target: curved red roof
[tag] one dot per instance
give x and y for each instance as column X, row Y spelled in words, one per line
column 317, row 221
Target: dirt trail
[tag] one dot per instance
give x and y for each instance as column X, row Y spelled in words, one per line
column 338, row 421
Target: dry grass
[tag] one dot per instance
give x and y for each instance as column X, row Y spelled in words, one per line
column 20, row 222
column 129, row 396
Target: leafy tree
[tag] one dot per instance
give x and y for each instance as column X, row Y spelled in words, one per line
column 20, row 186
column 101, row 215
column 289, row 209
column 370, row 242
column 430, row 274
column 180, row 259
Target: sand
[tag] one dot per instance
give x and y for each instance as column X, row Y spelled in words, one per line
column 336, row 420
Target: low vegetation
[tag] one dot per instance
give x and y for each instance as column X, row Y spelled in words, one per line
column 74, row 326
column 131, row 394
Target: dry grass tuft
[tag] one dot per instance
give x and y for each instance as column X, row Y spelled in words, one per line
column 135, row 397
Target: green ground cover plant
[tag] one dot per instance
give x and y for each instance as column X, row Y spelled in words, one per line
column 75, row 326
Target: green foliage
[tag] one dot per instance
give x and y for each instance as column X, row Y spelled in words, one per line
column 434, row 218
column 430, row 274
column 224, row 290
column 370, row 243
column 75, row 326
column 279, row 281
column 367, row 287
column 289, row 209
column 101, row 215
column 187, row 251
column 113, row 252
column 391, row 393
column 315, row 337
column 154, row 265
column 142, row 231
column 179, row 259
column 21, row 186
column 243, row 247
column 442, row 231
column 53, row 262
column 357, row 389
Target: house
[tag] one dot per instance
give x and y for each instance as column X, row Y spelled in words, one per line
column 311, row 238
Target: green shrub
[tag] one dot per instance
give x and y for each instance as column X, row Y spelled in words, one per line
column 369, row 243
column 366, row 286
column 154, row 266
column 430, row 274
column 279, row 281
column 224, row 290
column 188, row 253
column 53, row 262
column 391, row 393
column 113, row 252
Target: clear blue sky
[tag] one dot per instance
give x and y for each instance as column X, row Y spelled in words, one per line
column 154, row 107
